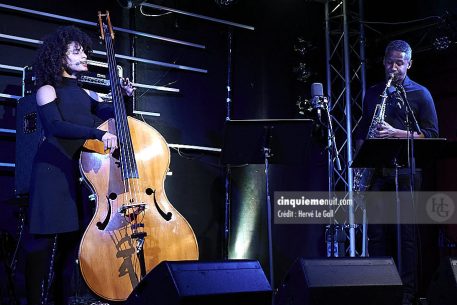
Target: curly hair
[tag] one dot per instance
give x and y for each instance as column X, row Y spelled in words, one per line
column 51, row 55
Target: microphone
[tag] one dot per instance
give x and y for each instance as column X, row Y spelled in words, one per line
column 317, row 90
column 400, row 88
column 398, row 92
column 319, row 102
column 402, row 91
column 317, row 98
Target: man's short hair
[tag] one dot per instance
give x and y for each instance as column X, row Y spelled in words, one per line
column 401, row 46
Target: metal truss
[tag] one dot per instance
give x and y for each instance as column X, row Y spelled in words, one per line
column 345, row 55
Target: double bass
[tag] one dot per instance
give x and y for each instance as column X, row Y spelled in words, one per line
column 134, row 226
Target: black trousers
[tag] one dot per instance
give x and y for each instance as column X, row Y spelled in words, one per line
column 383, row 237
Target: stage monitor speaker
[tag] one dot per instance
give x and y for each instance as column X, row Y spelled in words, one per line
column 240, row 282
column 342, row 281
column 443, row 287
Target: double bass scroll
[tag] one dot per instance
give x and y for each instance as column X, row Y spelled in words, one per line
column 134, row 227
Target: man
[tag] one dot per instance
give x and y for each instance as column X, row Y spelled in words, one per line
column 397, row 61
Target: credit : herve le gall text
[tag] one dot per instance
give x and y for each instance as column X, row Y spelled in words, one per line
column 305, row 214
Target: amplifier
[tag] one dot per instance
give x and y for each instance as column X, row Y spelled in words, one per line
column 96, row 79
column 28, row 136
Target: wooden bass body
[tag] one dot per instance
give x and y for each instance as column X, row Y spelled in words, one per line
column 131, row 216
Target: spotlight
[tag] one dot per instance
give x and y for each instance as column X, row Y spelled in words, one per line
column 225, row 3
column 441, row 43
column 303, row 72
column 130, row 3
column 302, row 47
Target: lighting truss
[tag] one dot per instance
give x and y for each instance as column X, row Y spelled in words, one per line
column 345, row 54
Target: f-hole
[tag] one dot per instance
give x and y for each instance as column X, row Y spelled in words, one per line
column 167, row 216
column 102, row 225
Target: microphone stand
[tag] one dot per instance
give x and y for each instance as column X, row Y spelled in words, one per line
column 410, row 135
column 334, row 152
column 331, row 135
column 319, row 102
column 411, row 164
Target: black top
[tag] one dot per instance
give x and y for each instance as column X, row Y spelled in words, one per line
column 421, row 103
column 67, row 122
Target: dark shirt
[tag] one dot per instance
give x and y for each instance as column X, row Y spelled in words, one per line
column 421, row 103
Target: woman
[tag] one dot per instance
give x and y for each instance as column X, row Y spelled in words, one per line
column 69, row 116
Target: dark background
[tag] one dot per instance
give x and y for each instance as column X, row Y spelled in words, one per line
column 263, row 86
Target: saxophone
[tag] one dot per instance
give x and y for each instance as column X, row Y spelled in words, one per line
column 363, row 176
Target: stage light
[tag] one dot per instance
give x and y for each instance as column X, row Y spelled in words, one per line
column 302, row 47
column 130, row 3
column 441, row 43
column 225, row 3
column 302, row 72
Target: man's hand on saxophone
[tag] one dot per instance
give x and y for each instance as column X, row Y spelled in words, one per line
column 385, row 130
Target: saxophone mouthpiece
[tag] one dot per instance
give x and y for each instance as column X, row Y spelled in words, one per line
column 389, row 81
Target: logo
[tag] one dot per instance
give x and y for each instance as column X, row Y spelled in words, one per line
column 440, row 207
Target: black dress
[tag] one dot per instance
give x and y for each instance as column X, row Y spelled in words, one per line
column 55, row 188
